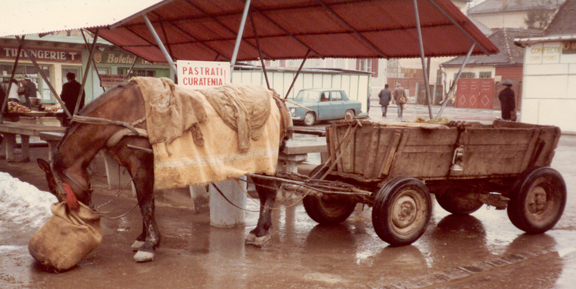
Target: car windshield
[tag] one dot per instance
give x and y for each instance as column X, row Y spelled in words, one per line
column 307, row 95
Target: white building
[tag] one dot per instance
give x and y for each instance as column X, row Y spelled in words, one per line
column 549, row 82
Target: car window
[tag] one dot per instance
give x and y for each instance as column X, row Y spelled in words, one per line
column 306, row 95
column 336, row 96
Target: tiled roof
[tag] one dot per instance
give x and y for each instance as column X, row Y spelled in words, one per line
column 509, row 54
column 563, row 23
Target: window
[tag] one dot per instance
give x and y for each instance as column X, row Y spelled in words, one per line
column 485, row 74
column 336, row 96
column 466, row 75
column 368, row 65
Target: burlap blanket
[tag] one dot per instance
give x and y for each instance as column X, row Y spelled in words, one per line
column 180, row 161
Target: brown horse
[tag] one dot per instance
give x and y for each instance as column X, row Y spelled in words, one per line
column 82, row 141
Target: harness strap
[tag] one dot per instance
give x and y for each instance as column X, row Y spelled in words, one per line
column 115, row 138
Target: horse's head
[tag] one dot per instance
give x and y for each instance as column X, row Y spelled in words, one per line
column 69, row 186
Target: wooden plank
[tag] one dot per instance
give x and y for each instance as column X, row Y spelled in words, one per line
column 371, row 152
column 391, row 151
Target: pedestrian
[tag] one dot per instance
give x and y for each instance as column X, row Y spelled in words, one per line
column 400, row 98
column 28, row 91
column 508, row 103
column 385, row 95
column 13, row 94
column 70, row 94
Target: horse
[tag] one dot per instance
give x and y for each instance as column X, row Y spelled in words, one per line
column 68, row 178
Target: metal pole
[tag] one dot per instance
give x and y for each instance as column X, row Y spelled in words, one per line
column 10, row 83
column 160, row 44
column 240, row 32
column 297, row 73
column 44, row 77
column 132, row 67
column 91, row 57
column 423, row 57
column 456, row 80
column 93, row 62
column 259, row 51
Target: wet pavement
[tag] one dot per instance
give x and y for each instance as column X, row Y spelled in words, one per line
column 482, row 250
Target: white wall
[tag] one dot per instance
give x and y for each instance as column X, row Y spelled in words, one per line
column 355, row 85
column 549, row 87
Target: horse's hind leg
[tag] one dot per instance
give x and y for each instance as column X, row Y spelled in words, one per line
column 267, row 193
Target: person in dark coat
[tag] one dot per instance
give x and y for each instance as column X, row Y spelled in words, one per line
column 69, row 95
column 385, row 95
column 507, row 101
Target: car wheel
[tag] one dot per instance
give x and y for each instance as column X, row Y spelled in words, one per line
column 309, row 118
column 349, row 114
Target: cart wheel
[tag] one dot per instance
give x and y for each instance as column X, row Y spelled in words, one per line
column 455, row 202
column 309, row 118
column 402, row 210
column 539, row 202
column 328, row 209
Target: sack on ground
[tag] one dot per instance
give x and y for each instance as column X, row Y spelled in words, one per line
column 67, row 237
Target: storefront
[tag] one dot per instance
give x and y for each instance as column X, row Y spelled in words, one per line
column 58, row 55
column 53, row 58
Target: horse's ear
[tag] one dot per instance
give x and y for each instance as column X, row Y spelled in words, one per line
column 44, row 165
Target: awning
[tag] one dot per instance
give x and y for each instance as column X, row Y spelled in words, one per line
column 207, row 30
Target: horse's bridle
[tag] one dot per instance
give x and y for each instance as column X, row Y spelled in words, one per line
column 61, row 192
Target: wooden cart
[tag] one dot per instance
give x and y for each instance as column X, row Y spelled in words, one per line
column 395, row 166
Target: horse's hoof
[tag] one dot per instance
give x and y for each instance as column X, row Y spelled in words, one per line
column 137, row 244
column 143, row 256
column 251, row 239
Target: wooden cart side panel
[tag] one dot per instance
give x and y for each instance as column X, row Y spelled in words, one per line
column 388, row 156
column 368, row 152
column 345, row 142
column 550, row 136
column 494, row 151
column 424, row 153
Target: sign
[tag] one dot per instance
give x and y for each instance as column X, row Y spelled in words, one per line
column 118, row 58
column 112, row 80
column 569, row 47
column 43, row 54
column 202, row 74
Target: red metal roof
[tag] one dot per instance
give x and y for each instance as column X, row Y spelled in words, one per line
column 286, row 29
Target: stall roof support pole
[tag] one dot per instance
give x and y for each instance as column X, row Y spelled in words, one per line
column 88, row 62
column 240, row 32
column 160, row 44
column 456, row 80
column 259, row 51
column 93, row 62
column 132, row 67
column 44, row 77
column 459, row 27
column 423, row 57
column 10, row 83
column 297, row 73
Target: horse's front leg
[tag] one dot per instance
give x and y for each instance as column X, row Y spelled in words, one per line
column 267, row 193
column 140, row 164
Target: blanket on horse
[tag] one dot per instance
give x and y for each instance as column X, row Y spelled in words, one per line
column 240, row 132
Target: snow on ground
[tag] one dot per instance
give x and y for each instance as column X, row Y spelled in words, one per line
column 23, row 203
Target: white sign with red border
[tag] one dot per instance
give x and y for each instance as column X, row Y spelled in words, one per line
column 202, row 74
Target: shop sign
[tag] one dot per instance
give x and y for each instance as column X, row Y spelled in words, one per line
column 43, row 54
column 112, row 80
column 117, row 58
column 201, row 74
column 569, row 47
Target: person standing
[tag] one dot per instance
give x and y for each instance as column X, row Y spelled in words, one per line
column 507, row 102
column 70, row 93
column 400, row 98
column 29, row 90
column 385, row 95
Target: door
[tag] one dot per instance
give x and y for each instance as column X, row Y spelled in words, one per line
column 475, row 93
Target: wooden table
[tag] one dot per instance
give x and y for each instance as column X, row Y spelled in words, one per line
column 10, row 129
